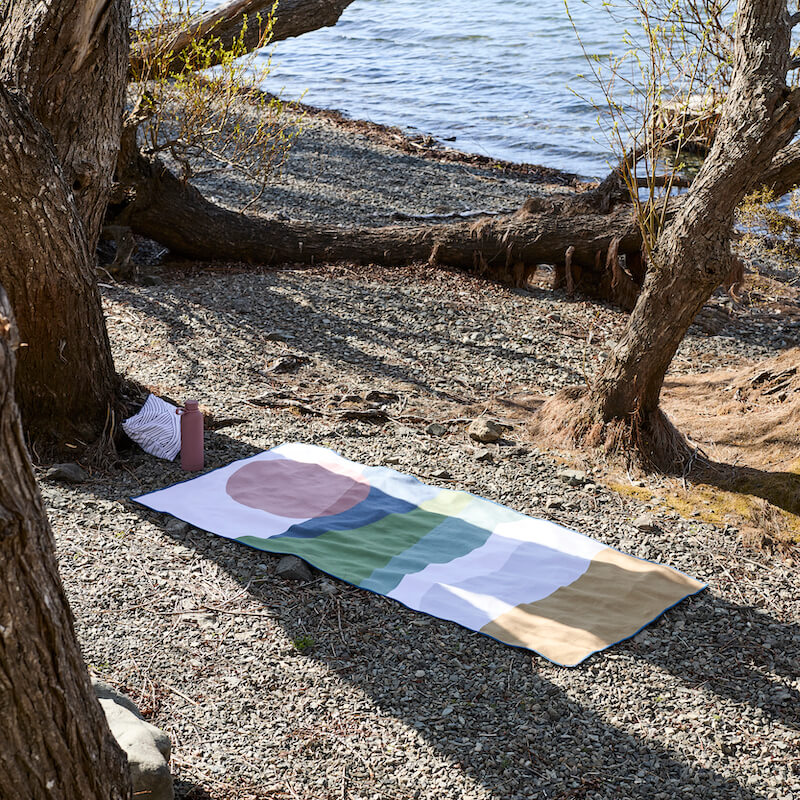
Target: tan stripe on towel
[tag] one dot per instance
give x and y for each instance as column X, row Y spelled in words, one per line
column 616, row 596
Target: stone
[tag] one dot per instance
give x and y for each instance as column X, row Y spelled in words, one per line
column 436, row 429
column 394, row 460
column 147, row 747
column 645, row 523
column 69, row 473
column 177, row 527
column 292, row 568
column 441, row 473
column 286, row 364
column 572, row 477
column 278, row 336
column 484, row 430
column 553, row 504
column 484, row 455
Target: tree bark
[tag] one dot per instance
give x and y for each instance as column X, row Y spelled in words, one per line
column 54, row 740
column 66, row 384
column 292, row 18
column 69, row 59
column 692, row 256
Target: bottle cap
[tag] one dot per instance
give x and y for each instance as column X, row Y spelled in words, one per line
column 191, row 405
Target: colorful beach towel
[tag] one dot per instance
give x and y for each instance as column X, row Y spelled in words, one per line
column 524, row 581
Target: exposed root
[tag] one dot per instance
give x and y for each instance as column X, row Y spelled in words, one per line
column 568, row 270
column 649, row 442
column 623, row 288
column 735, row 278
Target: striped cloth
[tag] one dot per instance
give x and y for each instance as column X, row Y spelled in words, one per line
column 156, row 428
column 524, row 581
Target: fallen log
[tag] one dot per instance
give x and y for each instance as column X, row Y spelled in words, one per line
column 507, row 249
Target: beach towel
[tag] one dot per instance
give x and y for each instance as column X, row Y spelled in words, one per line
column 524, row 581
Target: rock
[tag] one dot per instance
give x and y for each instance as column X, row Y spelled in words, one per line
column 554, row 504
column 150, row 280
column 436, row 429
column 484, row 430
column 69, row 473
column 394, row 460
column 484, row 455
column 377, row 396
column 147, row 748
column 572, row 477
column 286, row 364
column 441, row 473
column 241, row 305
column 292, row 568
column 278, row 336
column 177, row 527
column 646, row 523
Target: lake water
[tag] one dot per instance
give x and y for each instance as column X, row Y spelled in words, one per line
column 493, row 74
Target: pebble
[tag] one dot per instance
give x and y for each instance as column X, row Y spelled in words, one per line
column 292, row 568
column 68, row 473
column 177, row 527
column 572, row 477
column 484, row 430
column 645, row 523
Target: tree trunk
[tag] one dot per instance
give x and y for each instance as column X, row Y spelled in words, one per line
column 692, row 256
column 69, row 59
column 292, row 18
column 66, row 385
column 54, row 740
column 506, row 249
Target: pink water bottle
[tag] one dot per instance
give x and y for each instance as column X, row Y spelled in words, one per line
column 191, row 436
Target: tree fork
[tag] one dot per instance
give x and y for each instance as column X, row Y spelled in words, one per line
column 692, row 256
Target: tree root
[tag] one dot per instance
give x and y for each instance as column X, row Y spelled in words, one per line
column 645, row 441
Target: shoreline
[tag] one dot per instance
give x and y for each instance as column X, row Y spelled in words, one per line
column 355, row 173
column 431, row 147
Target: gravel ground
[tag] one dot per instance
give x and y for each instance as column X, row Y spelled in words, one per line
column 271, row 689
column 346, row 173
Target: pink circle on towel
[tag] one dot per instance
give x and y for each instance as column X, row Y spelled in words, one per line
column 294, row 489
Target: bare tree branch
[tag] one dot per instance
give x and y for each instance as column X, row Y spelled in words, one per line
column 784, row 171
column 292, row 18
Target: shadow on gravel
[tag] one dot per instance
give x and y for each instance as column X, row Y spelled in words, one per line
column 515, row 723
column 324, row 332
column 781, row 489
column 186, row 790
